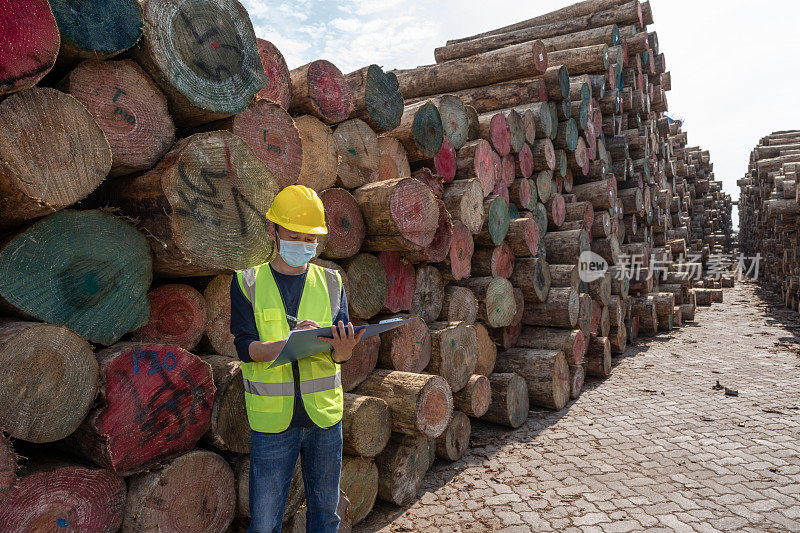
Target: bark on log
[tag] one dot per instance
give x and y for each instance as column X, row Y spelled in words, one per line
column 565, row 276
column 129, row 108
column 56, row 494
column 561, row 309
column 177, row 316
column 404, row 207
column 523, row 237
column 229, row 430
column 48, row 381
column 402, row 467
column 475, row 397
column 320, row 156
column 565, row 247
column 598, row 357
column 421, row 404
column 572, row 342
column 618, row 336
column 203, row 78
column 217, row 296
column 156, row 403
column 584, row 60
column 453, row 443
column 532, row 276
column 92, row 270
column 197, row 221
column 487, row 350
column 359, row 481
column 577, row 375
column 52, row 154
column 366, row 425
column 8, row 467
column 504, row 94
column 157, row 501
column 545, row 372
column 420, row 131
column 279, row 86
column 376, row 98
column 429, row 294
column 510, row 403
column 454, row 353
column 497, row 261
column 320, row 89
column 513, row 62
column 31, row 33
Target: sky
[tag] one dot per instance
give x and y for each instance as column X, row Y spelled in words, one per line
column 734, row 63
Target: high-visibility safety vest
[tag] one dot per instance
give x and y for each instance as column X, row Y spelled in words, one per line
column 269, row 392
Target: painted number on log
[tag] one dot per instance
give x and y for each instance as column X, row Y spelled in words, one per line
column 271, row 140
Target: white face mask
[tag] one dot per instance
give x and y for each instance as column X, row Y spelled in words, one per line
column 297, row 253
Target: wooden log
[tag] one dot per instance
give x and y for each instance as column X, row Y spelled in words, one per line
column 497, row 261
column 504, row 94
column 57, row 494
column 99, row 30
column 366, row 425
column 376, row 98
column 494, row 128
column 359, row 482
column 402, row 467
column 420, row 131
column 217, row 296
column 363, row 361
column 156, row 500
column 565, row 276
column 8, row 467
column 496, row 221
column 475, row 397
column 279, row 87
column 582, row 60
column 598, row 357
column 496, row 306
column 555, row 211
column 561, row 309
column 358, row 153
column 32, row 39
column 439, row 247
column 523, row 194
column 444, row 163
column 269, row 130
column 129, row 108
column 404, row 207
column 461, row 250
column 52, row 154
column 577, row 375
column 429, row 294
column 393, row 161
column 516, row 129
column 369, row 285
column 487, row 350
column 454, row 352
column 474, row 161
column 320, row 89
column 320, row 155
column 644, row 308
column 618, row 337
column 453, row 443
column 565, row 247
column 572, row 342
column 510, row 403
column 601, row 194
column 523, row 237
column 407, row 348
column 157, row 403
column 464, row 200
column 455, row 123
column 93, row 269
column 473, row 131
column 459, row 305
column 344, row 222
column 532, row 276
column 545, row 372
column 420, row 403
column 427, row 176
column 49, row 380
column 400, row 277
column 196, row 54
column 198, row 222
column 177, row 316
column 229, row 428
column 513, row 62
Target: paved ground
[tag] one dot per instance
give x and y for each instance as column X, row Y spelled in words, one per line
column 651, row 447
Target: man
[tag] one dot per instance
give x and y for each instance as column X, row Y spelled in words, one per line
column 292, row 409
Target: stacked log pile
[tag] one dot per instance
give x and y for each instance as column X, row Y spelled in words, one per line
column 468, row 206
column 768, row 213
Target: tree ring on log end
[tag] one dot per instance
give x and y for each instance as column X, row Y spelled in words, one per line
column 98, row 29
column 435, row 407
column 500, row 306
column 427, row 130
column 29, row 28
column 454, row 119
column 413, row 211
column 445, row 161
column 382, row 98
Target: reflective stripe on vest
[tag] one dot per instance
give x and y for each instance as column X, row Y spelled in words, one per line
column 269, row 392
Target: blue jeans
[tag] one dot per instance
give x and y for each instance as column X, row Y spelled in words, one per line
column 272, row 461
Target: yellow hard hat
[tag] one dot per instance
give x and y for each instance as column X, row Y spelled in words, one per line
column 298, row 208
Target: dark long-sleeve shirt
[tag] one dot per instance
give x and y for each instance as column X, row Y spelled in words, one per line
column 243, row 327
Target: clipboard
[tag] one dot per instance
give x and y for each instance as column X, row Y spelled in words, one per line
column 302, row 343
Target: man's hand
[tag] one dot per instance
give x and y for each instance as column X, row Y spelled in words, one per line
column 343, row 341
column 306, row 324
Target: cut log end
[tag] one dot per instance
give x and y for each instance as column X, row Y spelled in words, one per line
column 33, row 40
column 435, row 407
column 177, row 316
column 279, row 88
